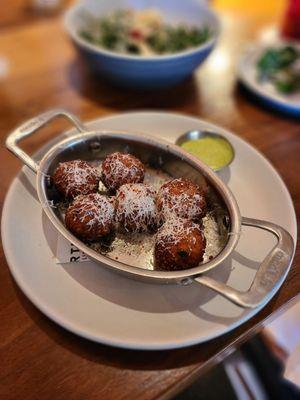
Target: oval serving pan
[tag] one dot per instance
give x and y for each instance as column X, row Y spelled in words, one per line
column 176, row 162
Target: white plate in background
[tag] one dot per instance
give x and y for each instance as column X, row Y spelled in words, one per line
column 247, row 74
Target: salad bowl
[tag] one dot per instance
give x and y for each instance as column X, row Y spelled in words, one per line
column 151, row 72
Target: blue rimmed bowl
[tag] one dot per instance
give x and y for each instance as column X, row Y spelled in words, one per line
column 138, row 71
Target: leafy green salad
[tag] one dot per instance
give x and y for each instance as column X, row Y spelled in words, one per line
column 281, row 67
column 141, row 33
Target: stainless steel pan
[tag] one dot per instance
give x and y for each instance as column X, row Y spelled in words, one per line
column 176, row 162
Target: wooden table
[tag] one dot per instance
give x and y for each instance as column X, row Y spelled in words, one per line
column 39, row 70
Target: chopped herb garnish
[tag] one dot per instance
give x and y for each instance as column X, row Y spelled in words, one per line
column 141, row 33
column 279, row 66
column 182, row 253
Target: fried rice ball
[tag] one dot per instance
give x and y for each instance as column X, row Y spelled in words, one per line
column 136, row 209
column 91, row 216
column 76, row 177
column 119, row 169
column 183, row 198
column 180, row 244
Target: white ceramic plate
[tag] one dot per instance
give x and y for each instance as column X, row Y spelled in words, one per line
column 100, row 305
column 247, row 74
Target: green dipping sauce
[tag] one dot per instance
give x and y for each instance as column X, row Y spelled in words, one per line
column 213, row 151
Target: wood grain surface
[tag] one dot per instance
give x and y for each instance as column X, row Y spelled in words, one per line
column 39, row 69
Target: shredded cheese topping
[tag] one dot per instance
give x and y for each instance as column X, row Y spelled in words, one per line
column 118, row 169
column 181, row 197
column 136, row 209
column 174, row 230
column 93, row 213
column 76, row 177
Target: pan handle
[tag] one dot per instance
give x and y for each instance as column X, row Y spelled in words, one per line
column 31, row 126
column 270, row 274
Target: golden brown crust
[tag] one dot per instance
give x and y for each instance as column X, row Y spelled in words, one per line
column 91, row 217
column 180, row 244
column 183, row 198
column 136, row 209
column 119, row 169
column 76, row 177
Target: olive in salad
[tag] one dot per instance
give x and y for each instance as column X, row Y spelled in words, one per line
column 281, row 67
column 143, row 33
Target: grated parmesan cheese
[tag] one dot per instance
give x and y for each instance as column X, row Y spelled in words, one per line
column 136, row 209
